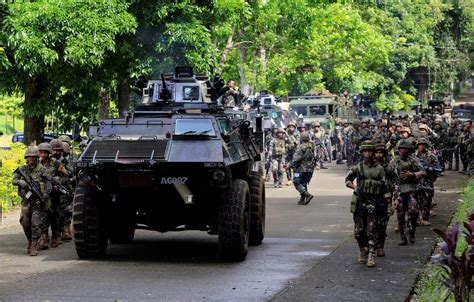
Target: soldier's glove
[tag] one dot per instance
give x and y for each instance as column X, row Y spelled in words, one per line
column 22, row 183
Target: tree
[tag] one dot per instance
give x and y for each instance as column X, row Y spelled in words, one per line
column 54, row 49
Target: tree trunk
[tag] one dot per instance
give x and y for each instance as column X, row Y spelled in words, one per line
column 263, row 59
column 104, row 106
column 34, row 122
column 123, row 97
column 225, row 52
column 245, row 87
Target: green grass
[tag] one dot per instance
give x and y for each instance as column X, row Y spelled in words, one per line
column 6, row 126
column 430, row 286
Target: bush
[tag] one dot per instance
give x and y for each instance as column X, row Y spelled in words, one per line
column 11, row 159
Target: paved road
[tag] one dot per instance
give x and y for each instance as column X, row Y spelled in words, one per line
column 184, row 266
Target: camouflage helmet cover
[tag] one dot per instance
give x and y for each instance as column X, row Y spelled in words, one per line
column 404, row 143
column 316, row 124
column 422, row 140
column 304, row 137
column 65, row 138
column 367, row 145
column 56, row 144
column 32, row 151
column 66, row 147
column 45, row 147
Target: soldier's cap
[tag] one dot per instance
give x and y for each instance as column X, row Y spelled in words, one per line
column 304, row 137
column 367, row 145
column 32, row 151
column 56, row 144
column 405, row 144
column 45, row 147
column 422, row 140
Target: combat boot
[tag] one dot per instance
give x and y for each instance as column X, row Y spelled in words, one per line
column 301, row 201
column 33, row 251
column 307, row 197
column 28, row 249
column 403, row 241
column 54, row 241
column 363, row 255
column 380, row 252
column 66, row 234
column 43, row 243
column 371, row 259
column 412, row 237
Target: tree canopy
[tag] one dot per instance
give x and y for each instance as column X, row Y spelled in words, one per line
column 72, row 58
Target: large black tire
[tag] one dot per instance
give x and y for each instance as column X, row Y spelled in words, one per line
column 257, row 208
column 90, row 236
column 234, row 222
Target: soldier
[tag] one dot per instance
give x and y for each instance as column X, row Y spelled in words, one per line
column 50, row 219
column 395, row 138
column 425, row 187
column 353, row 141
column 452, row 146
column 373, row 200
column 292, row 140
column 33, row 207
column 465, row 139
column 303, row 164
column 440, row 141
column 67, row 197
column 268, row 159
column 317, row 136
column 409, row 171
column 338, row 141
column 382, row 158
column 380, row 135
column 231, row 95
column 278, row 154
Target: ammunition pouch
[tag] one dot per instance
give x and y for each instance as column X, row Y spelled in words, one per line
column 354, row 201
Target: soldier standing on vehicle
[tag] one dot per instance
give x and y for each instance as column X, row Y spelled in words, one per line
column 344, row 100
column 231, row 97
column 303, row 165
column 373, row 202
column 34, row 203
column 453, row 151
column 425, row 187
column 292, row 141
column 278, row 154
column 409, row 171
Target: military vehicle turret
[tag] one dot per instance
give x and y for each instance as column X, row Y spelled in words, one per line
column 178, row 162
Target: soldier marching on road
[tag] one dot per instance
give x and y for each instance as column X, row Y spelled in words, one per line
column 292, row 141
column 277, row 154
column 34, row 185
column 303, row 165
column 372, row 204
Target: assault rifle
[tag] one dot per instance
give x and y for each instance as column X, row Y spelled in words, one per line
column 32, row 186
column 428, row 166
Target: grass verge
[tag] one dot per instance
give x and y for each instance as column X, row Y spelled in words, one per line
column 430, row 286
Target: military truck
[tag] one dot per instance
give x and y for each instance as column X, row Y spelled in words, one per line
column 176, row 163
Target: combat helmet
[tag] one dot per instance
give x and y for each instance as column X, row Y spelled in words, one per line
column 422, row 140
column 56, row 144
column 316, row 124
column 291, row 124
column 367, row 145
column 356, row 123
column 66, row 147
column 381, row 147
column 32, row 151
column 406, row 129
column 65, row 138
column 304, row 137
column 281, row 130
column 404, row 143
column 45, row 147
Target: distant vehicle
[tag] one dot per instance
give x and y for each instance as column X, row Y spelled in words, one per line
column 461, row 114
column 19, row 137
column 367, row 113
column 266, row 99
column 313, row 108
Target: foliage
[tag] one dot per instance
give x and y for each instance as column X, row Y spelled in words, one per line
column 11, row 159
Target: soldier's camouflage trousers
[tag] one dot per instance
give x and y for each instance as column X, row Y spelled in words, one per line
column 407, row 207
column 368, row 220
column 351, row 155
column 424, row 199
column 53, row 215
column 65, row 210
column 450, row 153
column 278, row 169
column 301, row 181
column 31, row 219
column 289, row 171
column 382, row 234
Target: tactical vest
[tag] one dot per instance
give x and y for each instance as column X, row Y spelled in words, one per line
column 368, row 184
column 279, row 147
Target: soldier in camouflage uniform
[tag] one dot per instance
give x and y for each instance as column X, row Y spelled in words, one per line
column 51, row 218
column 395, row 138
column 353, row 141
column 278, row 154
column 292, row 141
column 317, row 137
column 338, row 141
column 33, row 210
column 373, row 200
column 425, row 187
column 452, row 146
column 303, row 164
column 409, row 171
column 465, row 146
column 231, row 95
column 66, row 200
column 382, row 158
column 268, row 159
column 440, row 142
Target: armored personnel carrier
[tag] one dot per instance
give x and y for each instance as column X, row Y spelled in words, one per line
column 178, row 162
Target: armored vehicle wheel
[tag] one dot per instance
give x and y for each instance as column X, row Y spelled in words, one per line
column 90, row 237
column 257, row 208
column 234, row 222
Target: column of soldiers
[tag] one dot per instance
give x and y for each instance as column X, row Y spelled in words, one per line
column 45, row 185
